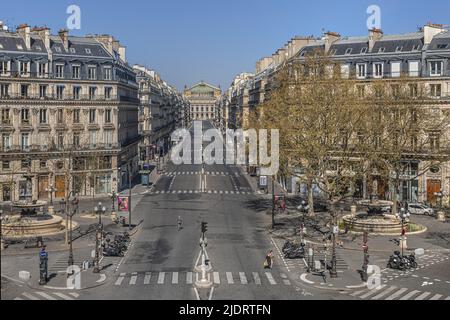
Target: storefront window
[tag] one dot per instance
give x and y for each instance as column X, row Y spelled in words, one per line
column 103, row 184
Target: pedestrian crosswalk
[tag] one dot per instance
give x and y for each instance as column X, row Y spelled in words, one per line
column 385, row 292
column 222, row 192
column 41, row 295
column 188, row 278
column 208, row 173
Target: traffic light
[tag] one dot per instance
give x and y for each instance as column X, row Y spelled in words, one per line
column 204, row 227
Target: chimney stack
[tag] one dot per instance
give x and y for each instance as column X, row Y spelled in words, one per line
column 44, row 34
column 430, row 30
column 330, row 38
column 374, row 36
column 24, row 31
column 64, row 35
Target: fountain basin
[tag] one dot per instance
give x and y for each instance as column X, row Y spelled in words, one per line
column 383, row 224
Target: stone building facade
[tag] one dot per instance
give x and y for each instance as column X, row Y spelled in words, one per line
column 203, row 99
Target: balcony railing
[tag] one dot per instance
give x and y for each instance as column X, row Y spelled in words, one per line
column 65, row 148
column 50, row 97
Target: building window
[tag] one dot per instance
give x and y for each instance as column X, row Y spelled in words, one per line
column 435, row 90
column 364, row 50
column 24, row 90
column 92, row 91
column 4, row 68
column 42, row 91
column 361, row 70
column 88, row 51
column 60, row 116
column 72, row 50
column 6, row 142
column 25, row 164
column 108, row 91
column 413, row 90
column 378, row 70
column 108, row 73
column 4, row 90
column 345, row 71
column 108, row 116
column 76, row 140
column 76, row 116
column 42, row 69
column 108, row 138
column 60, row 141
column 396, row 69
column 5, row 116
column 60, row 92
column 6, row 165
column 92, row 73
column 43, row 164
column 382, row 50
column 76, row 93
column 434, row 141
column 93, row 139
column 25, row 116
column 92, row 114
column 24, row 68
column 436, row 68
column 25, row 141
column 76, row 72
column 59, row 71
column 361, row 91
column 43, row 116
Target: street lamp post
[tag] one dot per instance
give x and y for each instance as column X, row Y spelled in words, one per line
column 98, row 210
column 113, row 198
column 51, row 189
column 366, row 256
column 404, row 217
column 71, row 213
column 333, row 271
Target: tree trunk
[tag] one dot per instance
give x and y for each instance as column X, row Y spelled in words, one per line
column 395, row 207
column 311, row 212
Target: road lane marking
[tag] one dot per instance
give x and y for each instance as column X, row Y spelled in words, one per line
column 373, row 291
column 133, row 279
column 46, row 296
column 30, row 296
column 436, row 297
column 270, row 278
column 243, row 278
column 230, row 278
column 384, row 293
column 62, row 295
column 216, row 278
column 120, row 279
column 147, row 278
column 175, row 278
column 256, row 278
column 410, row 295
column 161, row 277
column 423, row 296
column 189, row 278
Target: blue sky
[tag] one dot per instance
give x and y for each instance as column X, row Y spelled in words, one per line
column 212, row 40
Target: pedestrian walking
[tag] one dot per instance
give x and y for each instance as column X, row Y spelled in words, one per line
column 268, row 263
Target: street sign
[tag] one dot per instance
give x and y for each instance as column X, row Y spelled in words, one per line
column 263, row 181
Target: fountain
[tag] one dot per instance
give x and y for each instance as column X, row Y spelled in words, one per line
column 374, row 220
column 30, row 221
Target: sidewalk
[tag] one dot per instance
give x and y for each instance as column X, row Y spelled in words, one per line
column 254, row 184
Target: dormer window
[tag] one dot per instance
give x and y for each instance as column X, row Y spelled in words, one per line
column 38, row 48
column 349, row 51
column 58, row 49
column 417, row 47
column 1, row 46
column 333, row 52
column 441, row 46
column 382, row 50
column 303, row 54
column 19, row 46
column 399, row 49
column 364, row 50
column 72, row 50
column 88, row 51
column 436, row 68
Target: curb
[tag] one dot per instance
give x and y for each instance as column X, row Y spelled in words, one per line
column 46, row 288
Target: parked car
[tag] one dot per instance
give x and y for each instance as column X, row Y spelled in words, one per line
column 420, row 209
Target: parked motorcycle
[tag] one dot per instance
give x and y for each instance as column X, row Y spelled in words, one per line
column 396, row 261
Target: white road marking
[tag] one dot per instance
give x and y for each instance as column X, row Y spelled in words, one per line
column 147, row 278
column 230, row 278
column 189, row 278
column 74, row 294
column 410, row 295
column 448, row 298
column 46, row 296
column 211, row 293
column 133, row 279
column 216, row 278
column 270, row 278
column 18, row 299
column 196, row 293
column 29, row 296
column 384, row 293
column 436, row 297
column 303, row 278
column 62, row 295
column 423, row 296
column 243, row 278
column 256, row 278
column 175, row 278
column 120, row 279
column 372, row 292
column 161, row 277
